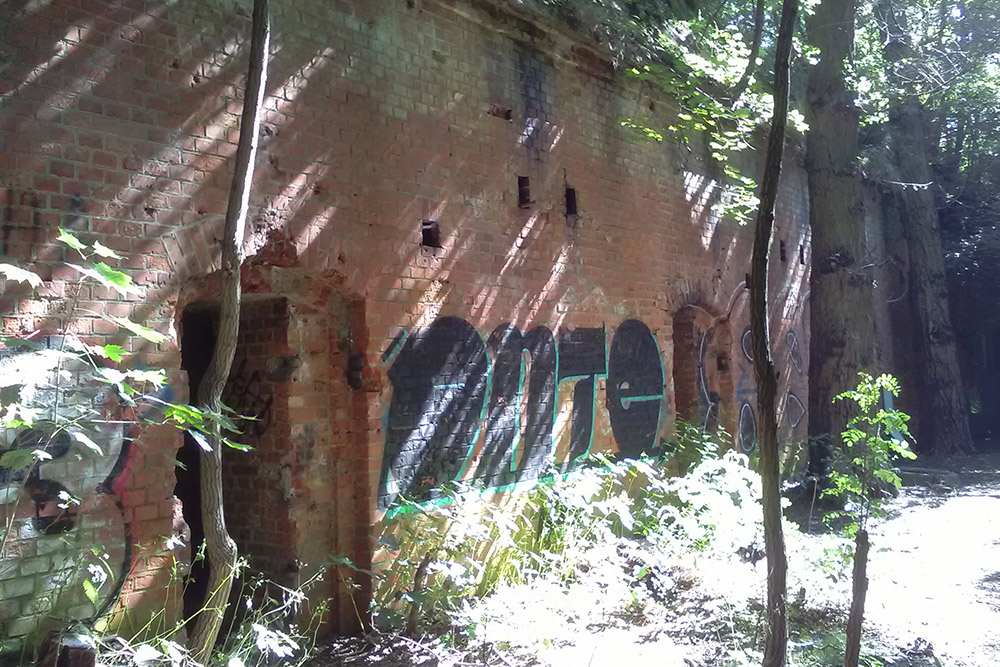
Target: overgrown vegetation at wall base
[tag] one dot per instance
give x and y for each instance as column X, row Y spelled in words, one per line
column 627, row 557
column 621, row 552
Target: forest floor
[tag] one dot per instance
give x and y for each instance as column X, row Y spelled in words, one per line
column 936, row 573
column 934, row 598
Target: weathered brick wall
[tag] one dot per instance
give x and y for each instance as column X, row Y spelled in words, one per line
column 531, row 336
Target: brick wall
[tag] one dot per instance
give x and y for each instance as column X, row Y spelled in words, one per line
column 517, row 335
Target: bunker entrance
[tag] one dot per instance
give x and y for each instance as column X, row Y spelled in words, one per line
column 197, row 343
column 703, row 387
column 255, row 483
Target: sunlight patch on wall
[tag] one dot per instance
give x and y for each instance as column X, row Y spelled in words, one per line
column 699, row 191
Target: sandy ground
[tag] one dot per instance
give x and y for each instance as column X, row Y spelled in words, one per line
column 936, row 571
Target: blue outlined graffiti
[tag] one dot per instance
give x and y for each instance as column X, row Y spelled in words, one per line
column 447, row 383
column 635, row 388
column 582, row 358
column 503, row 420
column 439, row 379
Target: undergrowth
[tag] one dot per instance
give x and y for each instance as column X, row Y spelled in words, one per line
column 620, row 545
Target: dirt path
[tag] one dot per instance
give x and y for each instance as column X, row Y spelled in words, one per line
column 940, row 578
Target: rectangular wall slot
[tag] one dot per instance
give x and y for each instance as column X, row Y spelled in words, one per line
column 782, row 252
column 523, row 192
column 430, row 234
column 571, row 201
column 802, row 254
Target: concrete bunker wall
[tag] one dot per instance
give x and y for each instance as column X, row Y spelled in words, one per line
column 477, row 267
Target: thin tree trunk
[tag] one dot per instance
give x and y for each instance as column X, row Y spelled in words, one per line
column 853, row 650
column 945, row 424
column 776, row 637
column 841, row 321
column 219, row 546
column 758, row 33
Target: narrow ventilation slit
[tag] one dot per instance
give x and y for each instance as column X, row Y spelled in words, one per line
column 571, row 209
column 430, row 234
column 782, row 251
column 802, row 254
column 523, row 192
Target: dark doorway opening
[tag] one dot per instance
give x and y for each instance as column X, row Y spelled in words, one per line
column 197, row 343
column 702, row 375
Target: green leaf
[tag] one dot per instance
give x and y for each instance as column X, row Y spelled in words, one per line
column 17, row 274
column 110, row 278
column 238, row 446
column 69, row 239
column 112, row 352
column 200, row 438
column 10, row 394
column 105, row 251
column 16, row 459
column 889, row 477
column 26, row 343
column 121, row 281
column 156, row 377
column 151, row 335
column 112, row 375
column 85, row 440
column 90, row 590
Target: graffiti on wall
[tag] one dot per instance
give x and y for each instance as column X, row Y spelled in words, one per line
column 70, row 494
column 245, row 396
column 795, row 411
column 445, row 390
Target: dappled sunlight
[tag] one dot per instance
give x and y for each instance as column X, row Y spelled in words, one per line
column 353, row 159
column 700, row 192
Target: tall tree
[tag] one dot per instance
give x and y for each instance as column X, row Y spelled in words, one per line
column 776, row 636
column 219, row 546
column 842, row 328
column 944, row 421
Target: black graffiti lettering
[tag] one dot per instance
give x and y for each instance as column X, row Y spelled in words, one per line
column 440, row 377
column 439, row 381
column 542, row 396
column 503, row 411
column 635, row 388
column 582, row 358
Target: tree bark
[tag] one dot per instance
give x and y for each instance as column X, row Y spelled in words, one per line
column 219, row 546
column 944, row 423
column 776, row 636
column 853, row 650
column 841, row 321
column 758, row 33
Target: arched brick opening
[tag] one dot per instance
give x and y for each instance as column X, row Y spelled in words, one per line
column 703, row 384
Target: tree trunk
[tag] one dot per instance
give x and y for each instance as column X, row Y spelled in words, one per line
column 944, row 424
column 853, row 650
column 776, row 637
column 219, row 546
column 758, row 33
column 842, row 329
